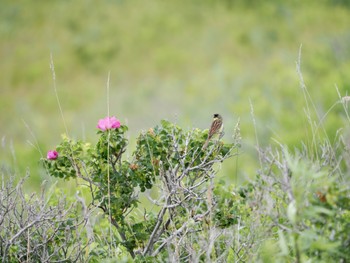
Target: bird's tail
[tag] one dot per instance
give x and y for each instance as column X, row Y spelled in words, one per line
column 205, row 145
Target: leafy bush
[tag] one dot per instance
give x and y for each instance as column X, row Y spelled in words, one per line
column 167, row 160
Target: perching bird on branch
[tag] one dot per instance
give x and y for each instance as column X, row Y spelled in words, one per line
column 216, row 127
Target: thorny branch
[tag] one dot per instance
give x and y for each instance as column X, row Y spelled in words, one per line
column 33, row 224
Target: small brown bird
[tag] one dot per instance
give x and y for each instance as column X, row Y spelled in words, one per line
column 215, row 128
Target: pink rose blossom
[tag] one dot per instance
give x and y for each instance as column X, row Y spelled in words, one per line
column 108, row 123
column 52, row 155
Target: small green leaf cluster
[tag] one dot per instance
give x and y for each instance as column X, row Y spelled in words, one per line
column 230, row 205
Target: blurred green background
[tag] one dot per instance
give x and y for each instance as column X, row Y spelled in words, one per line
column 175, row 60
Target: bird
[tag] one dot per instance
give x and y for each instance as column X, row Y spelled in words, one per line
column 216, row 127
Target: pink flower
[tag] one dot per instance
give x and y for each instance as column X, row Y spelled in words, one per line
column 108, row 123
column 52, row 155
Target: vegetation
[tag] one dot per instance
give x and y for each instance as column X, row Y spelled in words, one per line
column 297, row 209
column 176, row 58
column 278, row 194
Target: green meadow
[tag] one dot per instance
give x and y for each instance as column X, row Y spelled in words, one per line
column 278, row 70
column 175, row 60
